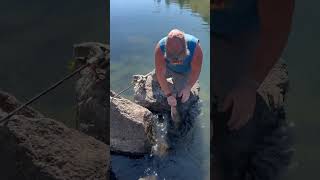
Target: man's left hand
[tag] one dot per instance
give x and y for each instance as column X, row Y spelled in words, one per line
column 185, row 94
column 242, row 99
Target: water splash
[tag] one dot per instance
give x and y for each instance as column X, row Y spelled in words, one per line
column 161, row 146
column 173, row 150
column 170, row 141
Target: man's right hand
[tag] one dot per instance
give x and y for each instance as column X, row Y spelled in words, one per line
column 172, row 101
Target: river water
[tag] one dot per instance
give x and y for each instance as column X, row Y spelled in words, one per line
column 36, row 40
column 36, row 45
column 136, row 27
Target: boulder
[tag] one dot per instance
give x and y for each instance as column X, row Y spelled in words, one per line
column 35, row 147
column 130, row 127
column 148, row 93
column 91, row 90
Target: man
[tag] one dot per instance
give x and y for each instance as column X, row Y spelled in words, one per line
column 178, row 55
column 248, row 38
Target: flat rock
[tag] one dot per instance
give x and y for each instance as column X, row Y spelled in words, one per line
column 130, row 127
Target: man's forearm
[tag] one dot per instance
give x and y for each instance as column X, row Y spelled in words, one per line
column 194, row 76
column 163, row 82
column 276, row 18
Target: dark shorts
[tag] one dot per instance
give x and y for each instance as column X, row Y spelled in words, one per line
column 179, row 80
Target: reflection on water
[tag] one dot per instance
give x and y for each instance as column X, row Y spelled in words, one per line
column 136, row 27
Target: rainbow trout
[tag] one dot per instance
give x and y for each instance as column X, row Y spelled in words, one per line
column 175, row 116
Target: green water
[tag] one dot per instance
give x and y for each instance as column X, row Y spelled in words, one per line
column 303, row 56
column 136, row 27
column 36, row 46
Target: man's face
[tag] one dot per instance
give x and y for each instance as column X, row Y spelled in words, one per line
column 176, row 50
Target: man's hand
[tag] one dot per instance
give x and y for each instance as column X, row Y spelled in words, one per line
column 185, row 94
column 172, row 101
column 242, row 99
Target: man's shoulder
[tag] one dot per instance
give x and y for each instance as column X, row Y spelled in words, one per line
column 159, row 50
column 192, row 38
column 162, row 41
column 161, row 44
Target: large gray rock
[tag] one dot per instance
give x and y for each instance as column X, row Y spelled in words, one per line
column 130, row 127
column 34, row 147
column 91, row 90
column 148, row 93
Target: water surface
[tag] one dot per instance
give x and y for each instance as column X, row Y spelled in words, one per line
column 36, row 40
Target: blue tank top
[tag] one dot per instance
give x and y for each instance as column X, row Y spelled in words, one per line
column 186, row 66
column 237, row 16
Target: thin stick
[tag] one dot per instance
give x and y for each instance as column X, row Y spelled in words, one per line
column 124, row 90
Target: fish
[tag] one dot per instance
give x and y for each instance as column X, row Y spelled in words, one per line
column 163, row 149
column 175, row 116
column 148, row 178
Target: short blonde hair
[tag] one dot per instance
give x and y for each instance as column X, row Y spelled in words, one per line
column 178, row 35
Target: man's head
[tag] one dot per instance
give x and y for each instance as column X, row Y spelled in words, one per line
column 176, row 47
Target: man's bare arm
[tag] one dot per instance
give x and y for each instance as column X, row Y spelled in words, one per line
column 275, row 24
column 196, row 64
column 161, row 70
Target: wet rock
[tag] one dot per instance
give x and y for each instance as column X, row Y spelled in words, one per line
column 91, row 90
column 148, row 93
column 130, row 127
column 35, row 147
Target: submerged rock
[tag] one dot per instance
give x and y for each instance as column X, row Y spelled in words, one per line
column 35, row 147
column 130, row 127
